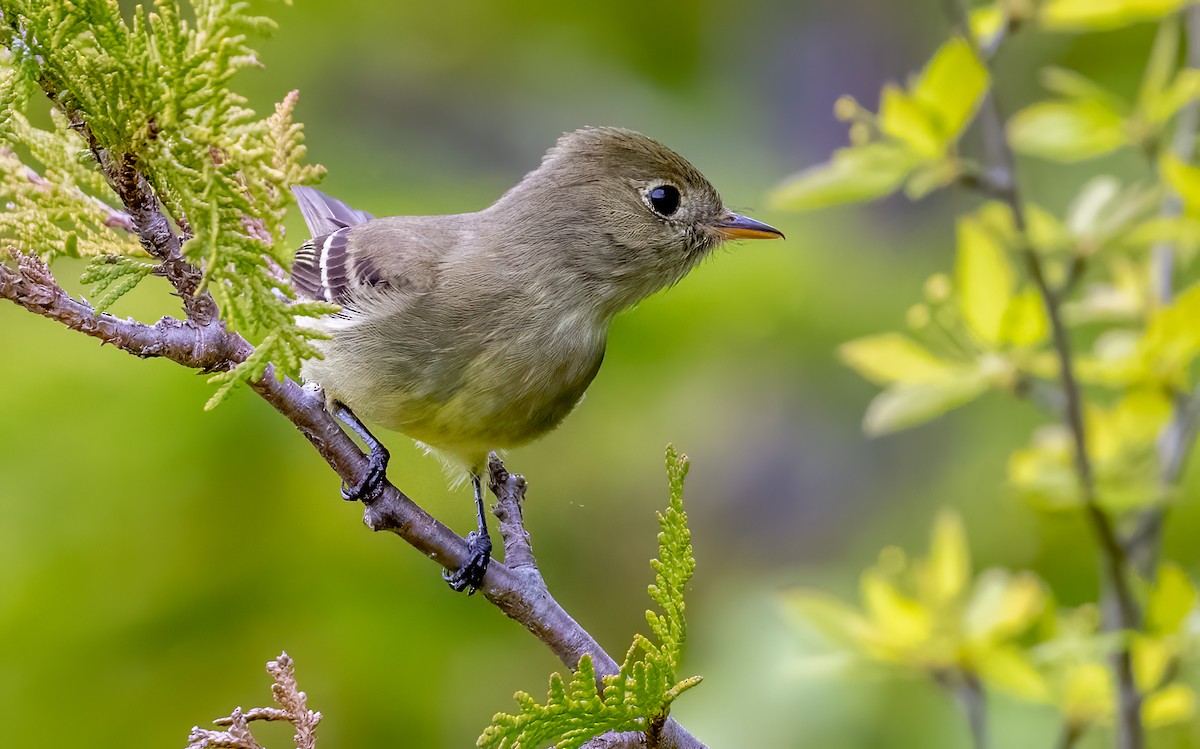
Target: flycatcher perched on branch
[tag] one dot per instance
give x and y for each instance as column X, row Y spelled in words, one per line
column 480, row 331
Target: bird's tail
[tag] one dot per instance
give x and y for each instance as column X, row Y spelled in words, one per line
column 325, row 215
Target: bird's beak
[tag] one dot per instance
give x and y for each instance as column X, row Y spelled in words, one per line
column 735, row 226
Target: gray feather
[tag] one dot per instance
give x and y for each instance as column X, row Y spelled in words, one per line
column 325, row 215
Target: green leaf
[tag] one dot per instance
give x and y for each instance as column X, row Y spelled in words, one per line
column 903, row 118
column 1172, row 600
column 901, row 620
column 1099, row 15
column 984, row 278
column 646, row 685
column 1183, row 178
column 1184, row 89
column 951, row 88
column 1002, row 605
column 892, row 357
column 839, row 623
column 948, row 568
column 1175, row 703
column 855, row 174
column 1010, row 670
column 113, row 276
column 1160, row 68
column 906, row 405
column 1067, row 131
column 1025, row 320
column 1077, row 87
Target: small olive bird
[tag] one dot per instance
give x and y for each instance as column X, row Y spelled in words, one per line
column 481, row 331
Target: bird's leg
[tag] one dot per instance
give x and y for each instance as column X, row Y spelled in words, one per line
column 370, row 486
column 469, row 576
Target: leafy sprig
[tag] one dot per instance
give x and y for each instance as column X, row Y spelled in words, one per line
column 154, row 92
column 639, row 696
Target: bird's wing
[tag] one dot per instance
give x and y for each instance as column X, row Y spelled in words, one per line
column 324, row 214
column 398, row 255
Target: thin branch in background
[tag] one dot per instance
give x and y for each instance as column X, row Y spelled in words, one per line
column 1120, row 609
column 968, row 691
column 1176, row 440
column 1071, row 734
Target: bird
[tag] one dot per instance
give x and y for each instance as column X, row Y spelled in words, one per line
column 481, row 331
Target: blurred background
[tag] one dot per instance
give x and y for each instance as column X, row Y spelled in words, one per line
column 153, row 556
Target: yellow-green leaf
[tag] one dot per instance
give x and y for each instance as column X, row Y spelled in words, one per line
column 1159, row 68
column 1095, row 15
column 1183, row 178
column 949, row 565
column 932, row 176
column 1183, row 89
column 904, row 119
column 905, row 405
column 855, row 174
column 1067, row 130
column 1087, row 694
column 1171, row 601
column 1008, row 669
column 892, row 357
column 1078, row 87
column 1025, row 320
column 984, row 278
column 836, row 621
column 987, row 22
column 1002, row 605
column 1151, row 658
column 900, row 621
column 1173, row 704
column 951, row 87
column 1043, row 472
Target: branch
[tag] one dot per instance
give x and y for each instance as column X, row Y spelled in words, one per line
column 509, row 489
column 1122, row 613
column 968, row 690
column 518, row 591
column 626, row 740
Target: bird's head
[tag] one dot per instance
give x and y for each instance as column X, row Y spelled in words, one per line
column 630, row 213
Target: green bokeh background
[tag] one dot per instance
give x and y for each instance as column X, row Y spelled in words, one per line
column 153, row 556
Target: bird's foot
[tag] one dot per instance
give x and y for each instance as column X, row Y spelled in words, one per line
column 469, row 576
column 370, row 486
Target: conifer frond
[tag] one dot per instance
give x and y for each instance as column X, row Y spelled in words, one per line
column 113, row 276
column 639, row 696
column 154, row 91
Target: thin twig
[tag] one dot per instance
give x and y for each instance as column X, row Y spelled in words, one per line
column 509, row 489
column 968, row 691
column 1122, row 612
column 1071, row 734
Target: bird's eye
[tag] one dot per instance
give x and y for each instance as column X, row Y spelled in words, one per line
column 664, row 199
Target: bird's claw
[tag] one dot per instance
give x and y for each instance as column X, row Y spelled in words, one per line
column 469, row 576
column 370, row 487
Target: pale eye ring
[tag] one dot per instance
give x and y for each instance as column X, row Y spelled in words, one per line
column 664, row 199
